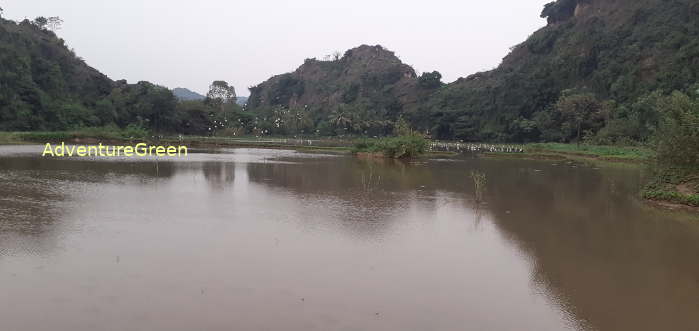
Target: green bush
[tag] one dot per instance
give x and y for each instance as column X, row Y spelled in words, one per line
column 394, row 147
column 134, row 131
column 677, row 138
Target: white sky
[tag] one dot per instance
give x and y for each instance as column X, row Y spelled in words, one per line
column 191, row 43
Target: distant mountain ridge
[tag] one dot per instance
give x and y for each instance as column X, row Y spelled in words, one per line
column 186, row 94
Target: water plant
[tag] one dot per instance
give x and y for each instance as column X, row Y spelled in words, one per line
column 479, row 182
column 370, row 180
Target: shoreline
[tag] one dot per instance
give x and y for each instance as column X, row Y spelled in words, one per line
column 628, row 156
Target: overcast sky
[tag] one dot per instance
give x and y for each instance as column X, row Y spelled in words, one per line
column 191, row 43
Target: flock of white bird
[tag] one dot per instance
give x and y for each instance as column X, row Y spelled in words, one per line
column 437, row 146
column 470, row 147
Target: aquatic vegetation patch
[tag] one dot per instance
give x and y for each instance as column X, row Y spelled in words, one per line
column 479, row 182
column 394, row 147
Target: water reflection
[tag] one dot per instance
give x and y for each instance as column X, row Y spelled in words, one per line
column 218, row 175
column 612, row 263
column 282, row 240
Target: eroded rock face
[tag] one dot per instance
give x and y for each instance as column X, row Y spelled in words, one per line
column 560, row 10
column 579, row 9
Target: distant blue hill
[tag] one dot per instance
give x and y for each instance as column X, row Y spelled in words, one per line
column 241, row 100
column 187, row 94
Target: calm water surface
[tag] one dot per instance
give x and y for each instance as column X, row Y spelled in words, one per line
column 249, row 239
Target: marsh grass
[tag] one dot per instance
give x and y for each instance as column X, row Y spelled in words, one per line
column 10, row 138
column 131, row 132
column 617, row 152
column 370, row 180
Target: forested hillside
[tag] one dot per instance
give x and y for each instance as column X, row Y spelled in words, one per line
column 598, row 72
column 595, row 71
column 364, row 91
column 44, row 85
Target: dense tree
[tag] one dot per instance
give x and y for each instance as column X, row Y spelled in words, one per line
column 622, row 53
column 41, row 22
column 362, row 92
column 220, row 93
column 579, row 112
column 430, row 80
column 677, row 139
column 45, row 86
column 598, row 77
column 54, row 23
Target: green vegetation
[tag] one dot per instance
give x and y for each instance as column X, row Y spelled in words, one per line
column 131, row 132
column 676, row 165
column 593, row 76
column 677, row 138
column 674, row 185
column 10, row 138
column 46, row 87
column 672, row 196
column 430, row 80
column 605, row 152
column 604, row 75
column 607, row 63
column 405, row 146
column 361, row 93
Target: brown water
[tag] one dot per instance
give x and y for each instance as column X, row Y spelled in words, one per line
column 246, row 239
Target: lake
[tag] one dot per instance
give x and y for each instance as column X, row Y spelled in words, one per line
column 263, row 239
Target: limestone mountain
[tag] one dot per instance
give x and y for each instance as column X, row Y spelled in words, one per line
column 365, row 86
column 617, row 52
column 363, row 72
column 615, row 56
column 595, row 71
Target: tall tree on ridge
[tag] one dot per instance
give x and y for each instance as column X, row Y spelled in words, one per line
column 220, row 93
